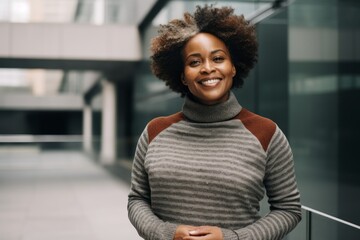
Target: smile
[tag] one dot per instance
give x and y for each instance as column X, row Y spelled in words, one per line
column 210, row 82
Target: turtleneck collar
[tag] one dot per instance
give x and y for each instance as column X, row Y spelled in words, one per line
column 198, row 112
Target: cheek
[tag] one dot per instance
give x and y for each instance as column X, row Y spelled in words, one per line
column 229, row 70
column 189, row 74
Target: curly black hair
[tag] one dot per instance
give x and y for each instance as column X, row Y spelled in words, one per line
column 237, row 33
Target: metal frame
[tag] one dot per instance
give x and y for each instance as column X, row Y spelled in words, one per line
column 156, row 8
column 267, row 11
column 311, row 211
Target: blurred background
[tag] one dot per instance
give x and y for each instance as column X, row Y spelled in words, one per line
column 76, row 91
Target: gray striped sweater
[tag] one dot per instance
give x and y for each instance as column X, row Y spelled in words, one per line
column 211, row 165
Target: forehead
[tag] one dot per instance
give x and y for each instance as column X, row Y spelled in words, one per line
column 204, row 43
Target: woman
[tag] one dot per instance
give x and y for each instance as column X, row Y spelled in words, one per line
column 200, row 174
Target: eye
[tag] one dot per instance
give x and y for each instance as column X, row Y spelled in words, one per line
column 218, row 59
column 194, row 63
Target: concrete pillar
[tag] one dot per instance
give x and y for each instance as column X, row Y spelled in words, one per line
column 87, row 129
column 108, row 123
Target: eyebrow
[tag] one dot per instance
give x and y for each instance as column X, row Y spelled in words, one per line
column 212, row 52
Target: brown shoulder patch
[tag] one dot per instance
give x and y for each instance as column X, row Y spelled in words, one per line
column 159, row 124
column 262, row 128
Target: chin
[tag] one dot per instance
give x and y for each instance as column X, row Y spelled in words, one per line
column 216, row 98
column 211, row 101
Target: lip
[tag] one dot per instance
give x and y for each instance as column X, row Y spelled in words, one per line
column 209, row 82
column 208, row 78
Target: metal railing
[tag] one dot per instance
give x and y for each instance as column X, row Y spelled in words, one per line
column 310, row 211
column 40, row 138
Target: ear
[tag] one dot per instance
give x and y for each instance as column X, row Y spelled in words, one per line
column 233, row 71
column 183, row 80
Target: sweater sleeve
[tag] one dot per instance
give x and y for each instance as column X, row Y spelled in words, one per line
column 147, row 224
column 283, row 194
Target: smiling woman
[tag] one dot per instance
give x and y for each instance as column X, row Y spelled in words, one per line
column 208, row 69
column 200, row 174
column 233, row 30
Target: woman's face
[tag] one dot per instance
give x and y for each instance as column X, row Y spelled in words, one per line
column 208, row 70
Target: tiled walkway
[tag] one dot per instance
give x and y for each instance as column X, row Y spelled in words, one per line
column 60, row 196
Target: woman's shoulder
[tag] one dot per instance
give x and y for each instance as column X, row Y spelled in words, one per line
column 159, row 124
column 248, row 116
column 261, row 127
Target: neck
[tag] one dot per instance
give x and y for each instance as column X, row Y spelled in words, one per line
column 198, row 112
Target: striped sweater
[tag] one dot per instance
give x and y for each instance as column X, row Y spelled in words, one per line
column 211, row 165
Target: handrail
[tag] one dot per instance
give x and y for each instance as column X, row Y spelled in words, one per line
column 39, row 138
column 331, row 217
column 309, row 212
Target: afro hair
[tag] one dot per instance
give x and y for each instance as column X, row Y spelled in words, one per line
column 237, row 33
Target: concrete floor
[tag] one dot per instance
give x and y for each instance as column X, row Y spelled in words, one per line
column 60, row 196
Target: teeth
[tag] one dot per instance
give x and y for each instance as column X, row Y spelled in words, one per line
column 210, row 81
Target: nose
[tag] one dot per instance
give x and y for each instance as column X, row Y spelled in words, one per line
column 207, row 67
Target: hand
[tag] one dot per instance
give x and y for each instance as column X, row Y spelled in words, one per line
column 205, row 233
column 183, row 231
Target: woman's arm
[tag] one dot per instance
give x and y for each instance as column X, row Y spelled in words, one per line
column 283, row 194
column 148, row 225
